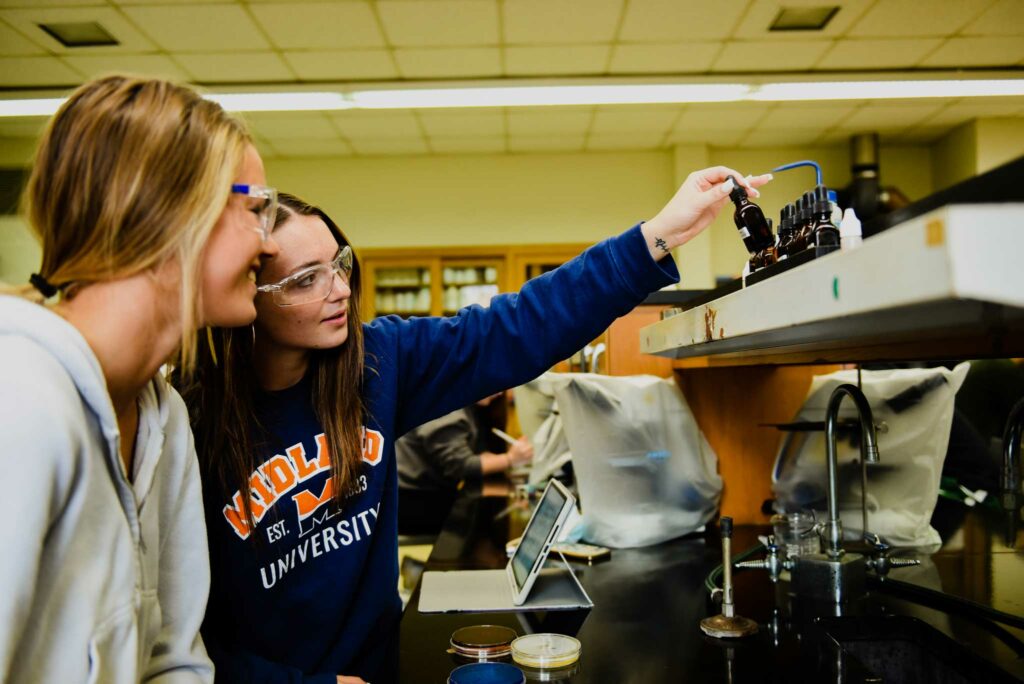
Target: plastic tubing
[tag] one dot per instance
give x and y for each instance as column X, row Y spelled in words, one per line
column 798, row 164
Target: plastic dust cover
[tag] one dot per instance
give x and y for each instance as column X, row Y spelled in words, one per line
column 644, row 470
column 916, row 408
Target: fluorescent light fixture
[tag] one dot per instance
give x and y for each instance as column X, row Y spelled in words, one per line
column 617, row 94
column 882, row 90
column 280, row 102
column 533, row 96
column 38, row 107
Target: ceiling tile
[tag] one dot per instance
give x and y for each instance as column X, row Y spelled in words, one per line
column 532, row 22
column 448, row 62
column 907, row 18
column 546, row 143
column 976, row 108
column 377, row 125
column 758, row 18
column 877, row 54
column 310, row 147
column 157, row 66
column 212, row 28
column 344, row 65
column 820, row 116
column 27, row 21
column 663, row 58
column 242, row 67
column 274, row 125
column 448, row 23
column 36, row 71
column 717, row 137
column 989, row 51
column 13, row 44
column 556, row 60
column 390, row 146
column 43, row 3
column 774, row 137
column 889, row 117
column 757, row 56
column 647, row 120
column 22, row 126
column 319, row 25
column 568, row 121
column 718, row 117
column 671, row 20
column 467, row 145
column 1005, row 17
column 635, row 141
column 456, row 123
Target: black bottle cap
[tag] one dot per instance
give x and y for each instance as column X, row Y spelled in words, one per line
column 821, row 203
column 738, row 192
column 786, row 217
column 726, row 525
column 808, row 210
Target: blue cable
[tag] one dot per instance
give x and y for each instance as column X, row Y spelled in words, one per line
column 806, row 162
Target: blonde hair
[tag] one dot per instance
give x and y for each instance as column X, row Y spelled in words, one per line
column 131, row 172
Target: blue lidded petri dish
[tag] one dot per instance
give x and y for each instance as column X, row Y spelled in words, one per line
column 487, row 673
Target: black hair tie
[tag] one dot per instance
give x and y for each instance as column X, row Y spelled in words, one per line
column 43, row 285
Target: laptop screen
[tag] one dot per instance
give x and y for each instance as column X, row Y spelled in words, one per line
column 536, row 536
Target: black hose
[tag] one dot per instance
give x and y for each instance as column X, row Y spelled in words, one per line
column 944, row 601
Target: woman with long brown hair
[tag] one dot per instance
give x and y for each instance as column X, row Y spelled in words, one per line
column 150, row 206
column 296, row 421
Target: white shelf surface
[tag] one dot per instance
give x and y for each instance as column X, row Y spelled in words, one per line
column 945, row 284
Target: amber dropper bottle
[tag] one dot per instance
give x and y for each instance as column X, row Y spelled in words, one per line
column 826, row 234
column 753, row 227
column 787, row 231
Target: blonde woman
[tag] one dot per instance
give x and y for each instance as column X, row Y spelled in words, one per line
column 296, row 428
column 151, row 209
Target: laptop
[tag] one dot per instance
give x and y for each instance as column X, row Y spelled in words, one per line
column 527, row 582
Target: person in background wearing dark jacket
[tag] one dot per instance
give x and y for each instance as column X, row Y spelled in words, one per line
column 296, row 420
column 436, row 456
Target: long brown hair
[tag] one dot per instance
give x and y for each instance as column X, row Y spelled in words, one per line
column 220, row 394
column 129, row 173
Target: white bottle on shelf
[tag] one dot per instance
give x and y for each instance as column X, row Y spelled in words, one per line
column 850, row 236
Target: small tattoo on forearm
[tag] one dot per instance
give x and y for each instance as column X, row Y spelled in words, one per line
column 662, row 245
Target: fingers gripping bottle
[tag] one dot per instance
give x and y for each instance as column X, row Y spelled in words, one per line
column 753, row 227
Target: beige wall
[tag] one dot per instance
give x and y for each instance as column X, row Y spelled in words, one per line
column 999, row 141
column 955, row 156
column 481, row 199
column 19, row 252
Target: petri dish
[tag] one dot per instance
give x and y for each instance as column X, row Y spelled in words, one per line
column 546, row 651
column 487, row 673
column 483, row 642
column 558, row 674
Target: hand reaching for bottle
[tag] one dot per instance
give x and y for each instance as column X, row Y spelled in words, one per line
column 694, row 206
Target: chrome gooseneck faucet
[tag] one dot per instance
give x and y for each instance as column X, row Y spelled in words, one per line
column 834, row 575
column 868, row 454
column 1009, row 480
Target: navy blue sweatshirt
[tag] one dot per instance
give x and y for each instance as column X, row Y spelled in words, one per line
column 317, row 596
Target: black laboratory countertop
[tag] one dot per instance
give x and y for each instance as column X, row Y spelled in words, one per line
column 648, row 603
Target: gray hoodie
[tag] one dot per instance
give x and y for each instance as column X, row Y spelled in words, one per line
column 105, row 577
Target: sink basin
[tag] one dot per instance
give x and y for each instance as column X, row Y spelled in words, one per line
column 902, row 649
